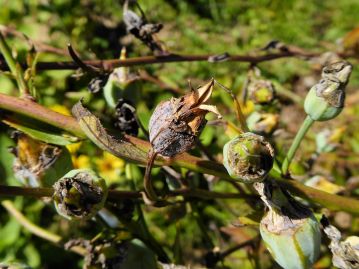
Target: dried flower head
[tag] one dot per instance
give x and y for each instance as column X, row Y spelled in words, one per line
column 248, row 157
column 79, row 194
column 38, row 164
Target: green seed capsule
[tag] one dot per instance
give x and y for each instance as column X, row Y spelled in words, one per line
column 79, row 194
column 261, row 92
column 289, row 229
column 294, row 244
column 325, row 100
column 248, row 157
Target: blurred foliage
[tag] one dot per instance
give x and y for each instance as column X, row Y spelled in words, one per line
column 187, row 231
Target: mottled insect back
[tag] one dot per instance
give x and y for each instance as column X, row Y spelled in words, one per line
column 176, row 123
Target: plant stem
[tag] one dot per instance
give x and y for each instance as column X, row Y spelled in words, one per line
column 33, row 110
column 40, row 232
column 330, row 201
column 116, row 195
column 15, row 69
column 113, row 63
column 307, row 123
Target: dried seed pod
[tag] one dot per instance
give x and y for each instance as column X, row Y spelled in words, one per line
column 261, row 91
column 248, row 157
column 345, row 253
column 79, row 194
column 102, row 252
column 97, row 83
column 325, row 100
column 176, row 124
column 38, row 164
column 125, row 117
column 290, row 231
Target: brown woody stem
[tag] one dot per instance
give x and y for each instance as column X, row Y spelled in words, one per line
column 113, row 63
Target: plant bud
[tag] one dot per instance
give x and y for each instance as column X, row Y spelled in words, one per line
column 79, row 194
column 325, row 100
column 261, row 92
column 289, row 230
column 176, row 124
column 248, row 157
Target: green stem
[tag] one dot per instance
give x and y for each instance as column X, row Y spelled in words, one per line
column 15, row 68
column 33, row 110
column 293, row 148
column 33, row 228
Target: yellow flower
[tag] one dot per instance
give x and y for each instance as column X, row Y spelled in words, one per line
column 61, row 109
column 74, row 147
column 248, row 107
column 82, row 161
column 110, row 167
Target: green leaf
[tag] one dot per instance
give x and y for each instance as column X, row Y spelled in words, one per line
column 139, row 256
column 47, row 137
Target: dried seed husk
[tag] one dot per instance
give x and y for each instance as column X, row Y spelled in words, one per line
column 38, row 164
column 325, row 100
column 79, row 194
column 176, row 124
column 248, row 157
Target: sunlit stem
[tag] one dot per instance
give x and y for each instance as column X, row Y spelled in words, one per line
column 147, row 182
column 15, row 69
column 33, row 228
column 307, row 123
column 239, row 113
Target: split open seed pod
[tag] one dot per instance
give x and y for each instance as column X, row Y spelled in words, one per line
column 79, row 194
column 176, row 124
column 248, row 157
column 325, row 100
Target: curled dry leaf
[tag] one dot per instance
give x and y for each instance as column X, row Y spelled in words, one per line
column 94, row 130
column 345, row 253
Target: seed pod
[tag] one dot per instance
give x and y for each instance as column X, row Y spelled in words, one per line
column 325, row 100
column 97, row 83
column 79, row 194
column 176, row 124
column 345, row 253
column 294, row 245
column 261, row 91
column 248, row 157
column 289, row 230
